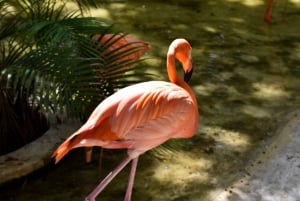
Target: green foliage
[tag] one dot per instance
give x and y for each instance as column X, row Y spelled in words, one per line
column 49, row 62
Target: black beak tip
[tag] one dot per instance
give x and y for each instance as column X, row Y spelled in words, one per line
column 188, row 75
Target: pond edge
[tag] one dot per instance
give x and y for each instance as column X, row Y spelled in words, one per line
column 36, row 154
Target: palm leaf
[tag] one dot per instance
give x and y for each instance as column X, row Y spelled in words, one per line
column 48, row 62
column 62, row 69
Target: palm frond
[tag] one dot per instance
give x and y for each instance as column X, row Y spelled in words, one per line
column 63, row 69
column 49, row 61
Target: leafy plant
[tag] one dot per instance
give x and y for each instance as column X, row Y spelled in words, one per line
column 50, row 63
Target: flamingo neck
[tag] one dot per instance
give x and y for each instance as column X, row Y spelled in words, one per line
column 171, row 68
column 174, row 77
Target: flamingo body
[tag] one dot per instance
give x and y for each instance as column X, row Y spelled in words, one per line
column 140, row 117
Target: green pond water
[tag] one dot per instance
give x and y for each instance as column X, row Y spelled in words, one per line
column 246, row 79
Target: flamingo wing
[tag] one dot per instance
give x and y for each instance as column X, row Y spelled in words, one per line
column 167, row 111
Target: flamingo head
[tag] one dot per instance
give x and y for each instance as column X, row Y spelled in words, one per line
column 183, row 52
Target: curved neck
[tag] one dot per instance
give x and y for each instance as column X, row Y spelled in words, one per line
column 174, row 77
column 171, row 68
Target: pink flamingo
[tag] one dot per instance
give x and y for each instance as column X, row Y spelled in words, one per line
column 118, row 43
column 140, row 117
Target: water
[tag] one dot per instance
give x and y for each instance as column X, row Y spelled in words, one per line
column 246, row 80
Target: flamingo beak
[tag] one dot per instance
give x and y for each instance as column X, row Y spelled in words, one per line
column 188, row 70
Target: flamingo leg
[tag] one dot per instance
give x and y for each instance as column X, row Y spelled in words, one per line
column 88, row 154
column 100, row 158
column 267, row 17
column 131, row 179
column 107, row 180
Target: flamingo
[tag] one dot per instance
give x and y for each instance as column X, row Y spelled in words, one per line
column 140, row 117
column 119, row 43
